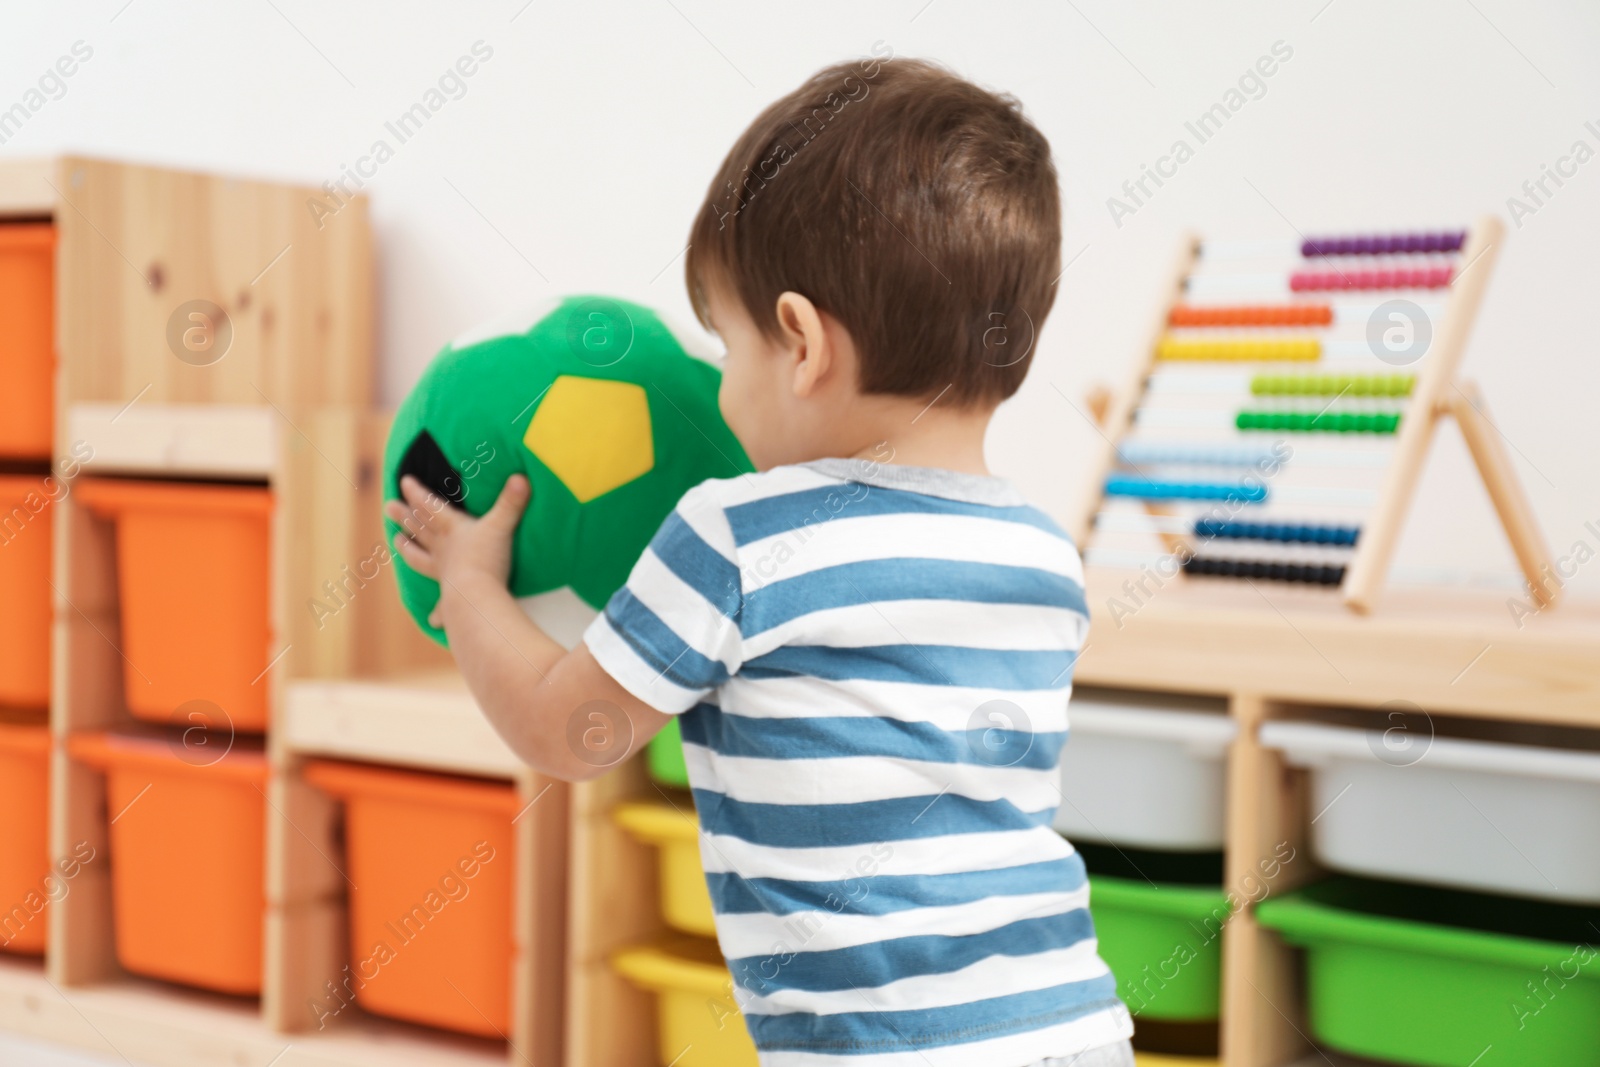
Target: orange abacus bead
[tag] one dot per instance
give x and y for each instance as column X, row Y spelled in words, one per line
column 1252, row 315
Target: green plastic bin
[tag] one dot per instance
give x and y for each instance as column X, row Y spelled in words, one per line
column 1164, row 944
column 663, row 757
column 1445, row 978
column 1159, row 918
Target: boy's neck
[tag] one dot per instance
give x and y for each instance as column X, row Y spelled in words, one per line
column 912, row 433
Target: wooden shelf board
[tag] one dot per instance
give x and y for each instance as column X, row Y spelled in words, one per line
column 428, row 721
column 25, row 190
column 1459, row 651
column 151, row 1022
column 216, row 440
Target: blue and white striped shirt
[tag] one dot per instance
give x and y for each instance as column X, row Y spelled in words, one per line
column 872, row 663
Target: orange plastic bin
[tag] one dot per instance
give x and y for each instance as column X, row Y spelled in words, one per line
column 193, row 569
column 27, row 338
column 431, row 916
column 26, row 509
column 187, row 858
column 25, row 886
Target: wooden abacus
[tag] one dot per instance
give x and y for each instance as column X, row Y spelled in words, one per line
column 1207, row 446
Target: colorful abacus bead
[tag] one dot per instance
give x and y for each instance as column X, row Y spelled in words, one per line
column 1312, row 281
column 1268, row 570
column 1319, row 422
column 1146, row 453
column 1274, row 350
column 1151, row 489
column 1332, row 384
column 1253, row 315
column 1384, row 244
column 1286, row 532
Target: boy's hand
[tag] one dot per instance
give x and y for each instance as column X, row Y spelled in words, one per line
column 450, row 546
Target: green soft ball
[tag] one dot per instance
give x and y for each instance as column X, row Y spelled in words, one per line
column 599, row 403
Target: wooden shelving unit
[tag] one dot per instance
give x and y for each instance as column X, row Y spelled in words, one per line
column 1277, row 653
column 284, row 406
column 1289, row 653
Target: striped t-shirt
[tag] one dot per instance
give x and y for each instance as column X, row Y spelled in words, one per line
column 872, row 663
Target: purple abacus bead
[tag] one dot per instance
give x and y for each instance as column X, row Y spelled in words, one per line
column 1454, row 241
column 1360, row 246
column 1431, row 242
column 1411, row 242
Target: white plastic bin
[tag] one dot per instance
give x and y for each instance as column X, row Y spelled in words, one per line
column 1145, row 770
column 1507, row 818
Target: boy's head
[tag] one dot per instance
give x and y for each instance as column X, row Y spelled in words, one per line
column 897, row 221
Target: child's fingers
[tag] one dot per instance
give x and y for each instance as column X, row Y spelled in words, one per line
column 508, row 508
column 422, row 498
column 397, row 512
column 414, row 525
column 419, row 558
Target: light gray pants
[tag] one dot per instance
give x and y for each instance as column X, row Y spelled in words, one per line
column 1117, row 1055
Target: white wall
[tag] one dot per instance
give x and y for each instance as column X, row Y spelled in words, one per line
column 580, row 150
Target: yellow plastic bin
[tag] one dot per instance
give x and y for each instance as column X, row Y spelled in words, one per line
column 698, row 1023
column 685, row 900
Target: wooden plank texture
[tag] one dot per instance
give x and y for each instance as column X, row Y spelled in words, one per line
column 139, row 244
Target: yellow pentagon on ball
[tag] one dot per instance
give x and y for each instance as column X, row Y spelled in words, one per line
column 594, row 434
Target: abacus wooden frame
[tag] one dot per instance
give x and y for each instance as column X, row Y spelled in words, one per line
column 1437, row 391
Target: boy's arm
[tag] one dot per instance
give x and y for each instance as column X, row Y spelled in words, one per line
column 558, row 710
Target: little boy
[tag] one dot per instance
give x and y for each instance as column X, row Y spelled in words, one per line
column 869, row 643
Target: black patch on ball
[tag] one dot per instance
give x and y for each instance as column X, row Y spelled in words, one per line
column 425, row 461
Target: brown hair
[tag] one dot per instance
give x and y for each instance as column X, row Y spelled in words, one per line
column 918, row 209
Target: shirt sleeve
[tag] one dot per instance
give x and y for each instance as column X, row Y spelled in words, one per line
column 671, row 634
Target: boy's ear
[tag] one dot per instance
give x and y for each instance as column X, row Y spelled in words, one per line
column 805, row 342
